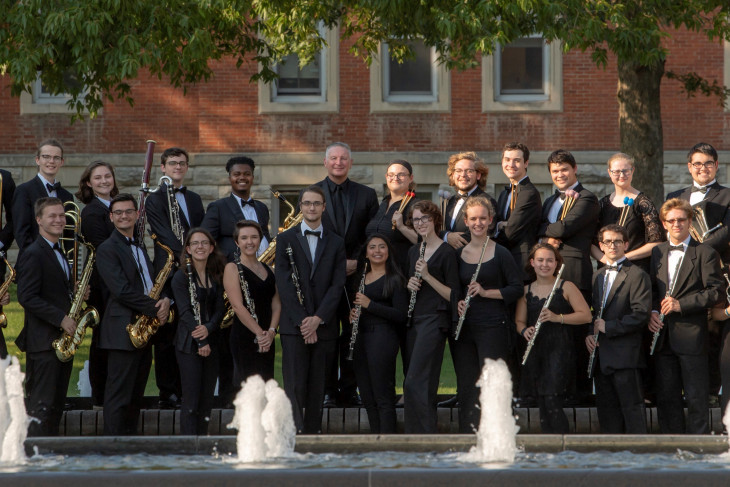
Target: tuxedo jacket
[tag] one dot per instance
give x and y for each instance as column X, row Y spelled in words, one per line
column 157, row 210
column 321, row 282
column 127, row 298
column 45, row 293
column 96, row 226
column 716, row 207
column 6, row 232
column 25, row 227
column 519, row 232
column 576, row 231
column 221, row 219
column 459, row 225
column 700, row 286
column 362, row 205
column 626, row 313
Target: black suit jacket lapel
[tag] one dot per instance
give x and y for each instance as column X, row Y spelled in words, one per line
column 39, row 188
column 685, row 270
column 548, row 204
column 304, row 244
column 329, row 206
column 235, row 208
column 351, row 200
column 319, row 252
column 51, row 254
column 449, row 210
column 503, row 210
column 620, row 278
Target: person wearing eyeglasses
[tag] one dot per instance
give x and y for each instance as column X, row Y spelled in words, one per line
column 622, row 296
column 49, row 159
column 174, row 163
column 686, row 282
column 632, row 209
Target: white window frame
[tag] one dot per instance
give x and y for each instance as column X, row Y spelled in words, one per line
column 36, row 102
column 551, row 100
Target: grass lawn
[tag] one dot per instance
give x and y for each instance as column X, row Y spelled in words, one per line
column 14, row 313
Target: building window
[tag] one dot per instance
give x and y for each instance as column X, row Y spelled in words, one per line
column 41, row 100
column 309, row 88
column 416, row 84
column 524, row 75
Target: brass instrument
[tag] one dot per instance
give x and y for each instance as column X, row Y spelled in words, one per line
column 467, row 300
column 538, row 325
column 194, row 303
column 669, row 293
column 417, row 275
column 702, row 231
column 173, row 208
column 356, row 319
column 145, row 326
column 269, row 255
column 598, row 317
column 6, row 284
column 66, row 345
column 69, row 241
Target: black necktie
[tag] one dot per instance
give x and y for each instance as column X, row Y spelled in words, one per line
column 247, row 202
column 53, row 187
column 700, row 189
column 181, row 189
column 340, row 208
column 312, row 232
column 679, row 247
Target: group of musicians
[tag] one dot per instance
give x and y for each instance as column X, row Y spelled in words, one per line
column 355, row 282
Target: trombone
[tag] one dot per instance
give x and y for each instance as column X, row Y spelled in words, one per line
column 69, row 239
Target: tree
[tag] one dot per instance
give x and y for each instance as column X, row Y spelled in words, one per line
column 105, row 43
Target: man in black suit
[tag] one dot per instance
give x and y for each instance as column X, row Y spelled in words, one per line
column 6, row 240
column 45, row 292
column 468, row 175
column 309, row 328
column 350, row 207
column 711, row 200
column 569, row 219
column 49, row 159
column 686, row 281
column 127, row 272
column 220, row 220
column 621, row 295
column 174, row 163
column 519, row 208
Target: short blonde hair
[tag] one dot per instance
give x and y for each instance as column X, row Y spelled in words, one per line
column 675, row 204
column 478, row 165
column 620, row 156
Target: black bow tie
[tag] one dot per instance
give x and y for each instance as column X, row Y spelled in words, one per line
column 53, row 187
column 613, row 267
column 132, row 241
column 247, row 202
column 679, row 247
column 57, row 246
column 560, row 194
column 181, row 189
column 312, row 232
column 700, row 189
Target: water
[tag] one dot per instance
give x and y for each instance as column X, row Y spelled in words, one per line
column 13, row 418
column 84, row 384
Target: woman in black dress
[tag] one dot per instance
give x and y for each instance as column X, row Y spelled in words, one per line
column 383, row 302
column 641, row 218
column 196, row 337
column 96, row 189
column 256, row 315
column 433, row 316
column 552, row 354
column 487, row 327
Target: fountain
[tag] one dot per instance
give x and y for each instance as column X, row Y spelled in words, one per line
column 13, row 418
column 84, row 384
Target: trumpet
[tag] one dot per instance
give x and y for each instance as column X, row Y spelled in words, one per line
column 69, row 240
column 702, row 231
column 6, row 284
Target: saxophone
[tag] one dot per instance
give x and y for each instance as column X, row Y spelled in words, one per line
column 145, row 326
column 5, row 285
column 66, row 345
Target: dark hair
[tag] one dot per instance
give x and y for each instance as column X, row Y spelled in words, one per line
column 239, row 160
column 311, row 189
column 703, row 148
column 613, row 227
column 43, row 203
column 241, row 224
column 427, row 208
column 216, row 262
column 561, row 156
column 409, row 168
column 517, row 146
column 51, row 142
column 558, row 259
column 393, row 276
column 121, row 197
column 85, row 194
column 174, row 151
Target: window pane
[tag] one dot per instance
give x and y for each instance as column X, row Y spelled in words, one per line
column 413, row 76
column 522, row 67
column 299, row 81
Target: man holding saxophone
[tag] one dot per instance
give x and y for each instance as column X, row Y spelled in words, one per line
column 7, row 189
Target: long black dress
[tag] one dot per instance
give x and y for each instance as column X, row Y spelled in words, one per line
column 247, row 360
column 550, row 360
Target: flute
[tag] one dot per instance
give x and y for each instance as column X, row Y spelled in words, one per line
column 356, row 318
column 467, row 300
column 655, row 338
column 598, row 317
column 417, row 275
column 531, row 343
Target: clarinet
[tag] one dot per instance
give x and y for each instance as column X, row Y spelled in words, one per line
column 417, row 275
column 531, row 343
column 655, row 338
column 194, row 303
column 250, row 305
column 467, row 300
column 356, row 319
column 295, row 274
column 598, row 317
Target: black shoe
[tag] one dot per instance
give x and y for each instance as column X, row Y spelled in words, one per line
column 171, row 402
column 354, row 400
column 452, row 402
column 329, row 401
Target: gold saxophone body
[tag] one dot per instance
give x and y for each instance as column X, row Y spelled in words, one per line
column 66, row 345
column 5, row 285
column 145, row 326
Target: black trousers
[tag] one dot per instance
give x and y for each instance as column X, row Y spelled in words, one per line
column 126, row 380
column 341, row 380
column 474, row 346
column 167, row 374
column 303, row 368
column 674, row 373
column 725, row 365
column 226, row 387
column 197, row 376
column 376, row 352
column 46, row 385
column 97, row 368
column 3, row 345
column 426, row 339
column 620, row 401
column 247, row 360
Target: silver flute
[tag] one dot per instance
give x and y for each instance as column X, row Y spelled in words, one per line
column 598, row 317
column 655, row 338
column 417, row 275
column 467, row 299
column 356, row 318
column 531, row 343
